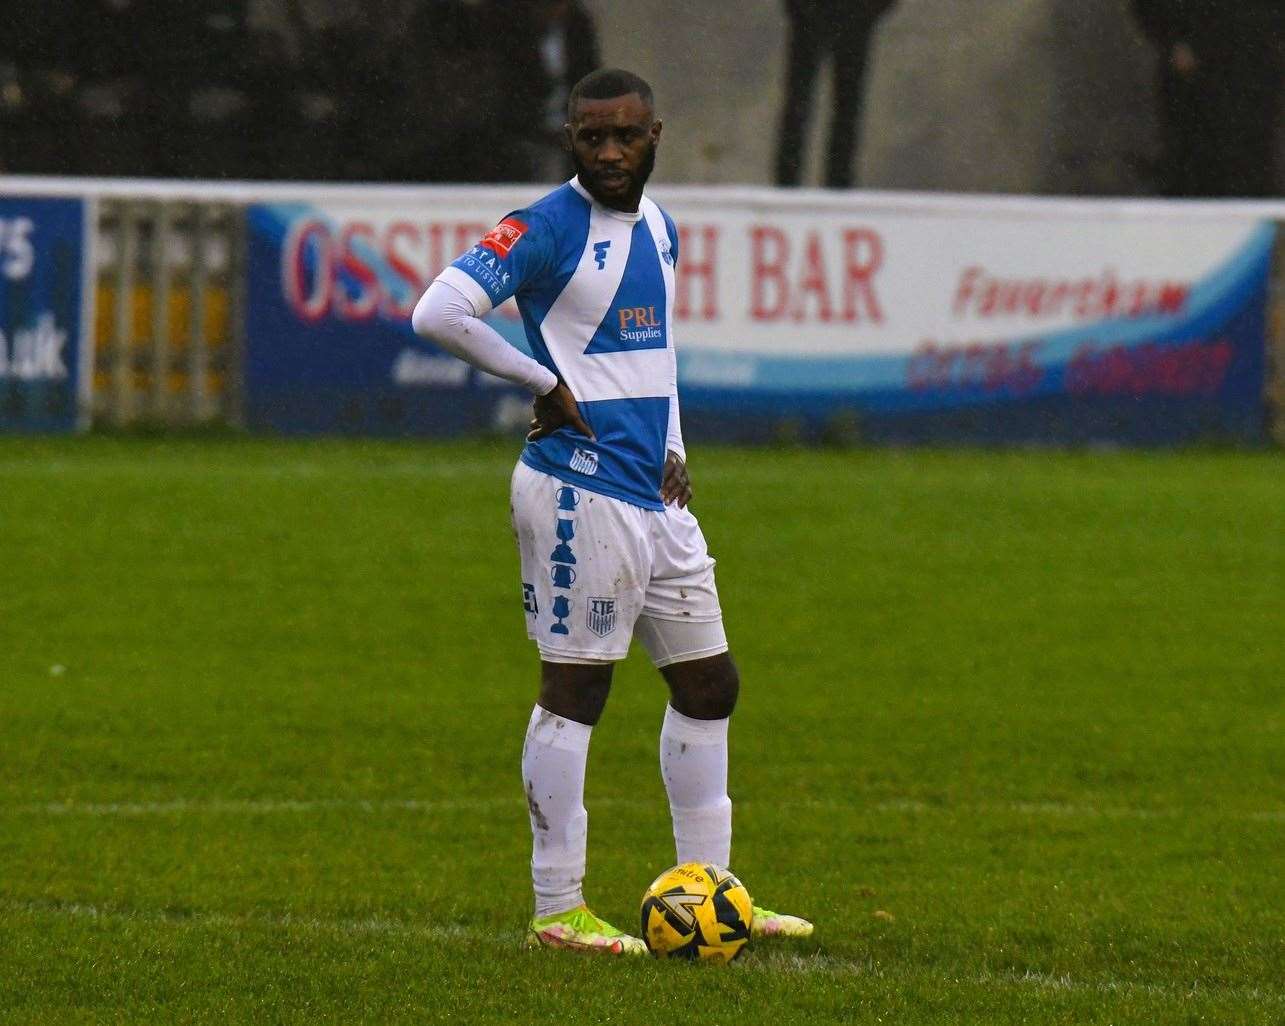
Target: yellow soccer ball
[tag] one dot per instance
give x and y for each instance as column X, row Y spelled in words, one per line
column 696, row 911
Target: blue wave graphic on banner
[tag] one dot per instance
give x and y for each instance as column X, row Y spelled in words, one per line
column 329, row 348
column 271, row 223
column 885, row 381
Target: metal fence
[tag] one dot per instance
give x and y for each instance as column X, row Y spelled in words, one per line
column 169, row 310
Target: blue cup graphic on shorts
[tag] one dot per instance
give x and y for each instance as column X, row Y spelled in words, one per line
column 563, row 576
column 566, row 530
column 562, row 554
column 561, row 609
column 568, row 498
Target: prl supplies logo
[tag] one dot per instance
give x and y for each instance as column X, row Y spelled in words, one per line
column 639, row 324
column 602, row 616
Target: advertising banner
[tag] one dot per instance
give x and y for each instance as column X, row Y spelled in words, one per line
column 1066, row 323
column 889, row 319
column 44, row 326
column 331, row 288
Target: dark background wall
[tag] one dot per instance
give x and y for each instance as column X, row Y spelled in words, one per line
column 975, row 95
column 1019, row 96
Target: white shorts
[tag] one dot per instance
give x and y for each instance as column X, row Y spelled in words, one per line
column 594, row 567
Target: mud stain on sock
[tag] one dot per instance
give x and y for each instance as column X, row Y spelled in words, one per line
column 537, row 816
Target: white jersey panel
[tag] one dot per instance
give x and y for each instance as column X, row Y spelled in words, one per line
column 587, row 301
column 660, row 237
column 596, row 290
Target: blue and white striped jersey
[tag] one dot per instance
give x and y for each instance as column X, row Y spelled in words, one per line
column 595, row 288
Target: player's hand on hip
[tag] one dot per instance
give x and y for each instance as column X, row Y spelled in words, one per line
column 555, row 410
column 675, row 486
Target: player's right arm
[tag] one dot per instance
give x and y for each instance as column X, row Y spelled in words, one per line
column 451, row 309
column 446, row 316
column 557, row 409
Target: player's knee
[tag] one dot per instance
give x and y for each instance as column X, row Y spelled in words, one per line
column 722, row 698
column 576, row 691
column 704, row 689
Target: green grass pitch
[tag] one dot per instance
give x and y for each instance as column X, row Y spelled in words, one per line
column 1011, row 731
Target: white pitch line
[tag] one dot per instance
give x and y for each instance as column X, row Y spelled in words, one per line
column 254, row 806
column 223, row 920
column 273, row 806
column 782, row 961
column 309, row 470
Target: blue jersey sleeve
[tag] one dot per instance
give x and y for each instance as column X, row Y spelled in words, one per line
column 671, row 230
column 516, row 252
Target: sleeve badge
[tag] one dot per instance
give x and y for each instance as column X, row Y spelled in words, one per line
column 503, row 237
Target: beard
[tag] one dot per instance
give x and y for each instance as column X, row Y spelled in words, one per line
column 637, row 179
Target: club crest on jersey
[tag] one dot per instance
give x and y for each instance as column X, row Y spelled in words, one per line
column 504, row 236
column 666, row 254
column 601, row 617
column 584, row 462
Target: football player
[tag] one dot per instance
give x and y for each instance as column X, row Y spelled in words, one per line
column 609, row 548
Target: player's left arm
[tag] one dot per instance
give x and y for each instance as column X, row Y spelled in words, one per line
column 675, row 484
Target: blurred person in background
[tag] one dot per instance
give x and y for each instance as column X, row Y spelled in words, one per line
column 330, row 92
column 548, row 46
column 295, row 98
column 120, row 117
column 39, row 77
column 452, row 85
column 842, row 29
column 1220, row 85
column 161, row 86
column 351, row 59
column 204, row 61
column 281, row 140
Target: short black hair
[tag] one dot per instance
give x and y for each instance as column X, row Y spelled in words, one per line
column 606, row 83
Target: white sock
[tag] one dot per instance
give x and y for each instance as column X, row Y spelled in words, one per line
column 693, row 764
column 553, row 765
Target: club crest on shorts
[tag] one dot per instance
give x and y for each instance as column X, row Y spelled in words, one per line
column 584, row 461
column 602, row 616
